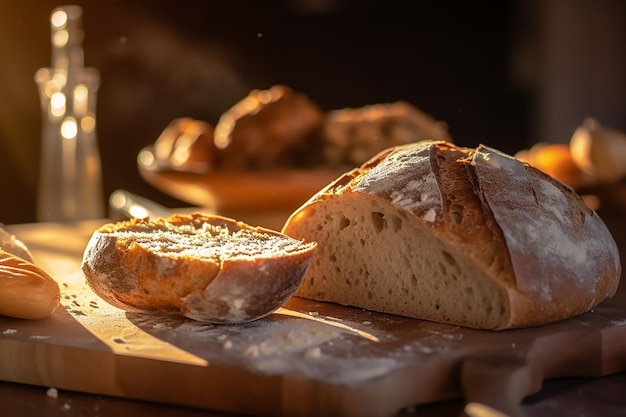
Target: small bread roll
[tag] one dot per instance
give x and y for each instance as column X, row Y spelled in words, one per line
column 26, row 291
column 271, row 128
column 186, row 144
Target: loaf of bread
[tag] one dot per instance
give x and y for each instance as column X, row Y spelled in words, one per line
column 599, row 151
column 470, row 237
column 271, row 128
column 555, row 159
column 26, row 291
column 186, row 144
column 354, row 135
column 209, row 268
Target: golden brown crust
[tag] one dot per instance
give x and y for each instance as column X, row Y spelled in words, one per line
column 26, row 291
column 277, row 127
column 186, row 144
column 564, row 258
column 177, row 264
column 467, row 222
column 10, row 243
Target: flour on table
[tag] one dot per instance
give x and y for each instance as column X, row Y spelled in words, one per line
column 314, row 352
column 38, row 337
column 278, row 338
column 52, row 392
column 302, row 344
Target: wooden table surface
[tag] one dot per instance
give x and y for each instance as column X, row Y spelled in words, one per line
column 604, row 396
column 601, row 397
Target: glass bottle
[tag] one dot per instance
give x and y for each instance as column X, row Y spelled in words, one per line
column 70, row 178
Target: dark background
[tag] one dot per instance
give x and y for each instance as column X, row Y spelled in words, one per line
column 504, row 73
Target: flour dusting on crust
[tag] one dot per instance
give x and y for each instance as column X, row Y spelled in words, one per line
column 412, row 187
column 533, row 213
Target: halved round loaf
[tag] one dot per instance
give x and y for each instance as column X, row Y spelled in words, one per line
column 471, row 237
column 209, row 268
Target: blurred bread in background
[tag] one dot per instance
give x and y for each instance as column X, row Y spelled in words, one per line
column 595, row 155
column 353, row 135
column 269, row 128
column 281, row 128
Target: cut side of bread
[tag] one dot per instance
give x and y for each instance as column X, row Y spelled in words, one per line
column 471, row 237
column 208, row 268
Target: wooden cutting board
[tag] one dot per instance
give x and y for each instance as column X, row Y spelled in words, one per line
column 307, row 359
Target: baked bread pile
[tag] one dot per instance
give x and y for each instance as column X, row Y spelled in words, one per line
column 471, row 237
column 208, row 268
column 280, row 128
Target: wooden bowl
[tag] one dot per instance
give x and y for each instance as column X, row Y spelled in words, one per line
column 279, row 189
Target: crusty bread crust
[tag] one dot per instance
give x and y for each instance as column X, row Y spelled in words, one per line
column 10, row 243
column 209, row 268
column 26, row 291
column 564, row 258
column 471, row 237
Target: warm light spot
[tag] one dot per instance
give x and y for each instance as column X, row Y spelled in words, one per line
column 474, row 409
column 137, row 211
column 80, row 92
column 50, row 87
column 191, row 128
column 146, row 158
column 42, row 76
column 248, row 104
column 179, row 156
column 60, row 76
column 88, row 123
column 182, row 151
column 118, row 199
column 58, row 19
column 57, row 104
column 580, row 148
column 69, row 128
column 221, row 135
column 60, row 38
column 80, row 99
column 276, row 92
column 265, row 97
